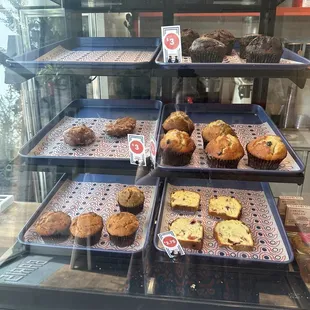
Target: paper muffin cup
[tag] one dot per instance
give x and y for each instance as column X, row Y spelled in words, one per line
column 229, row 47
column 259, row 57
column 205, row 57
column 261, row 164
column 176, row 159
column 220, row 163
column 133, row 210
column 124, row 240
column 243, row 51
column 89, row 240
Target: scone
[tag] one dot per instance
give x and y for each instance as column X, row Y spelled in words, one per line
column 189, row 232
column 86, row 228
column 121, row 127
column 224, row 36
column 185, row 200
column 266, row 152
column 234, row 234
column 79, row 136
column 53, row 224
column 179, row 120
column 225, row 207
column 177, row 148
column 131, row 200
column 214, row 130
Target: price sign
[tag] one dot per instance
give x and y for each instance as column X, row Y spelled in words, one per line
column 171, row 39
column 171, row 244
column 153, row 151
column 136, row 148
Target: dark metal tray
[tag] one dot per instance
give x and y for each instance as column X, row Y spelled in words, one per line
column 106, row 151
column 236, row 115
column 90, row 193
column 259, row 213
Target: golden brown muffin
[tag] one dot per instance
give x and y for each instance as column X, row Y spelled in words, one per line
column 131, row 199
column 86, row 228
column 224, row 152
column 179, row 120
column 121, row 127
column 224, row 36
column 122, row 228
column 177, row 148
column 79, row 136
column 51, row 224
column 214, row 130
column 225, row 207
column 266, row 152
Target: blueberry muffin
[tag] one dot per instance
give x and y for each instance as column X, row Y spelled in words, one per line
column 188, row 36
column 131, row 200
column 121, row 127
column 244, row 42
column 177, row 148
column 79, row 136
column 224, row 36
column 266, row 152
column 224, row 152
column 179, row 120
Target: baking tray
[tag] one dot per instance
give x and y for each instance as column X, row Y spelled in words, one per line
column 47, row 146
column 249, row 121
column 92, row 53
column 259, row 213
column 289, row 61
column 91, row 193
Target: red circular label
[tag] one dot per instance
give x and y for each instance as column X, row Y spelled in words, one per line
column 153, row 151
column 136, row 147
column 169, row 241
column 172, row 41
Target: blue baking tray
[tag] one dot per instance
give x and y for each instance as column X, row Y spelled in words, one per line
column 231, row 114
column 54, row 249
column 28, row 60
column 93, row 108
column 261, row 235
column 302, row 64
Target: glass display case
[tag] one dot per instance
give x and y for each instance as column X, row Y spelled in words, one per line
column 129, row 178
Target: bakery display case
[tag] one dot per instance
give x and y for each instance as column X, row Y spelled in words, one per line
column 154, row 154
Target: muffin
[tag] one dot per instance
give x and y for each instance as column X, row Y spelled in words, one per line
column 188, row 36
column 121, row 127
column 131, row 200
column 179, row 120
column 86, row 228
column 79, row 136
column 177, row 148
column 122, row 228
column 224, row 36
column 264, row 49
column 214, row 130
column 53, row 224
column 244, row 42
column 266, row 152
column 224, row 152
column 207, row 50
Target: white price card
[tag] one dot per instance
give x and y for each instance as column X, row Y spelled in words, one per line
column 136, row 147
column 171, row 244
column 153, row 151
column 171, row 41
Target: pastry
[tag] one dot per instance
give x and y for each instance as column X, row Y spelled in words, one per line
column 121, row 127
column 177, row 148
column 122, row 228
column 224, row 152
column 266, row 152
column 225, row 207
column 189, row 232
column 224, row 36
column 86, row 228
column 131, row 200
column 234, row 234
column 244, row 42
column 185, row 200
column 53, row 224
column 188, row 36
column 179, row 120
column 264, row 49
column 79, row 136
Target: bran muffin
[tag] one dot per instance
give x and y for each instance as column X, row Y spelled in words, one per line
column 79, row 136
column 244, row 42
column 179, row 120
column 131, row 199
column 188, row 36
column 224, row 36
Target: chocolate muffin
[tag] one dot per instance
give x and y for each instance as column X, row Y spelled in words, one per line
column 266, row 152
column 179, row 120
column 188, row 36
column 79, row 136
column 122, row 228
column 131, row 200
column 86, row 228
column 177, row 148
column 224, row 152
column 121, row 127
column 214, row 130
column 207, row 50
column 224, row 36
column 264, row 49
column 245, row 41
column 53, row 224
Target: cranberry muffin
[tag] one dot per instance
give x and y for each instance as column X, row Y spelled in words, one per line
column 179, row 120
